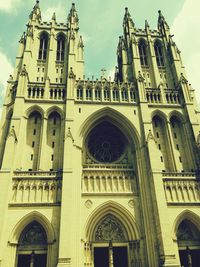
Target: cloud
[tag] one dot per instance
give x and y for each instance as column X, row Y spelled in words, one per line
column 185, row 28
column 59, row 10
column 4, row 74
column 8, row 5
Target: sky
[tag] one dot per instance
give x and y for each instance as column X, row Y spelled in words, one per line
column 100, row 23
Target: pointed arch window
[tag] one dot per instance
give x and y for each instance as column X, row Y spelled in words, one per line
column 143, row 53
column 159, row 54
column 88, row 93
column 43, row 47
column 79, row 92
column 106, row 94
column 60, row 48
column 124, row 94
column 115, row 94
column 97, row 93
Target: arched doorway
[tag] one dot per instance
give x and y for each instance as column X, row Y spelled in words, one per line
column 32, row 246
column 110, row 243
column 188, row 237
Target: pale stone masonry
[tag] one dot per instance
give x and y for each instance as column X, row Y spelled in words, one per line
column 99, row 172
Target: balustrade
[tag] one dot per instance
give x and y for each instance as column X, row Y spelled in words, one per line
column 183, row 189
column 172, row 96
column 108, row 182
column 35, row 92
column 153, row 95
column 105, row 91
column 34, row 191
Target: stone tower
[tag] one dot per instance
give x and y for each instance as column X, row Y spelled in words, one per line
column 99, row 173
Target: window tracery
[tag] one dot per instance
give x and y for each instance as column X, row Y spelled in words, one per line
column 106, row 143
column 60, row 48
column 43, row 47
column 159, row 54
column 143, row 53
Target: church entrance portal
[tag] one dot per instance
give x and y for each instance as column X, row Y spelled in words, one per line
column 110, row 257
column 188, row 237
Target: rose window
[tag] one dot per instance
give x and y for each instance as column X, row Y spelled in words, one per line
column 106, row 143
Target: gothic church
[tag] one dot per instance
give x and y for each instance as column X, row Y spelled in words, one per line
column 99, row 173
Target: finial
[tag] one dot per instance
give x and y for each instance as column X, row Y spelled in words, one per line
column 127, row 18
column 54, row 16
column 161, row 20
column 146, row 24
column 73, row 16
column 80, row 43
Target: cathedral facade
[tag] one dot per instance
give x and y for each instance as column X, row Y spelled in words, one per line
column 99, row 173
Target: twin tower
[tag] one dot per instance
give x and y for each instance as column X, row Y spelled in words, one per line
column 99, row 173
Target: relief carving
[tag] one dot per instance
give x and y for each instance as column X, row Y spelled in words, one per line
column 109, row 229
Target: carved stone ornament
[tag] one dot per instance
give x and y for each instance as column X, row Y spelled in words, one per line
column 29, row 31
column 33, row 234
column 131, row 203
column 185, row 232
column 24, row 71
column 183, row 79
column 69, row 135
column 140, row 78
column 88, row 204
column 109, row 229
column 150, row 137
column 71, row 74
column 12, row 133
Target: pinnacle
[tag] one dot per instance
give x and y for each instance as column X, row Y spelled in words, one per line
column 54, row 16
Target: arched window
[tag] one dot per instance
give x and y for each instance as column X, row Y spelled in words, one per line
column 115, row 94
column 106, row 94
column 32, row 246
column 79, row 93
column 143, row 53
column 43, row 47
column 162, row 140
column 97, row 93
column 33, row 136
column 159, row 54
column 53, row 148
column 88, row 93
column 180, row 145
column 124, row 94
column 60, row 48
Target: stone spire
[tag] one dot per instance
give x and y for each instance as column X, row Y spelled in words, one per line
column 73, row 17
column 128, row 25
column 35, row 13
column 80, row 42
column 162, row 24
column 127, row 19
column 54, row 16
